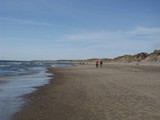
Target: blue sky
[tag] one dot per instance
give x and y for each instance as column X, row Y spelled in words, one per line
column 77, row 29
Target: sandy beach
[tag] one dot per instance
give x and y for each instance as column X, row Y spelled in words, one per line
column 114, row 92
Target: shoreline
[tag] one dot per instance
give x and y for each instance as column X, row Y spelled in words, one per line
column 15, row 87
column 2, row 81
column 86, row 93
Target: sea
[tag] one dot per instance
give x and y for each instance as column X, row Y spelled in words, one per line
column 18, row 78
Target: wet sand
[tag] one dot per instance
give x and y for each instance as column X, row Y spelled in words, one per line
column 114, row 92
column 2, row 81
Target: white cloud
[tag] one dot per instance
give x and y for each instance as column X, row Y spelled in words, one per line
column 23, row 21
column 121, row 42
column 91, row 36
column 144, row 30
column 115, row 35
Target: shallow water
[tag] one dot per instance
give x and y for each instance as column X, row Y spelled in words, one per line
column 15, row 87
column 24, row 78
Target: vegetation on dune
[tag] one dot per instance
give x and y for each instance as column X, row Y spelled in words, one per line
column 137, row 58
column 140, row 57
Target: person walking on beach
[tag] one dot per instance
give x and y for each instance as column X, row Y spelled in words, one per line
column 97, row 62
column 101, row 63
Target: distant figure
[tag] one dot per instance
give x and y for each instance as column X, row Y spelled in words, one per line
column 101, row 63
column 97, row 62
column 82, row 63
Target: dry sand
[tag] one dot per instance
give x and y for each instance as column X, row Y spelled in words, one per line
column 114, row 92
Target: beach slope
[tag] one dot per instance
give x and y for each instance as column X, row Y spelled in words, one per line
column 114, row 92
